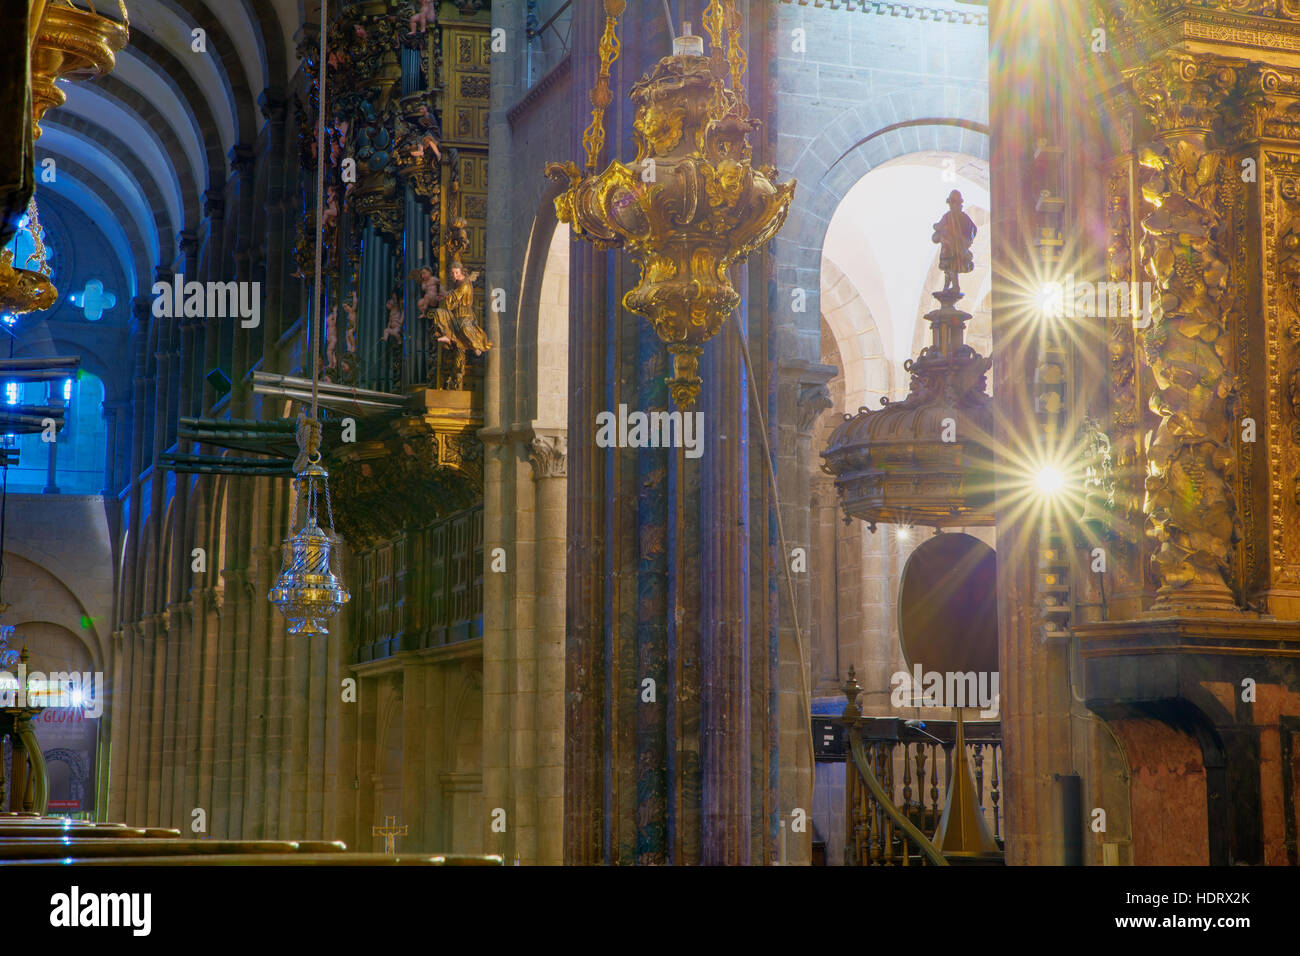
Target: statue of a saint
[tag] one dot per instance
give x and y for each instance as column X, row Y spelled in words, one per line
column 954, row 233
column 456, row 324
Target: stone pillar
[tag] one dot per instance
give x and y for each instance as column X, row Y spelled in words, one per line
column 278, row 240
column 805, row 389
column 498, row 595
column 214, row 207
column 1035, row 692
column 242, row 185
column 114, row 428
column 549, row 460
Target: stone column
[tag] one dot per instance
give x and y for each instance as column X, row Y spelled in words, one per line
column 278, row 240
column 549, row 459
column 241, row 184
column 1035, row 693
column 805, row 389
column 214, row 209
column 498, row 456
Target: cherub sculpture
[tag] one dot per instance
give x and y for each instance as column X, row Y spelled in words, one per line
column 424, row 16
column 331, row 214
column 430, row 296
column 396, row 319
column 954, row 233
column 331, row 338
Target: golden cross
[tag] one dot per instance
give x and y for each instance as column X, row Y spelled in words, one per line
column 390, row 833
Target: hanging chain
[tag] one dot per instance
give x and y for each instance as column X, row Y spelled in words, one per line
column 714, row 21
column 737, row 58
column 594, row 137
column 329, row 508
column 38, row 255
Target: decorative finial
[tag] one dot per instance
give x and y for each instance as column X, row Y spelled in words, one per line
column 852, row 690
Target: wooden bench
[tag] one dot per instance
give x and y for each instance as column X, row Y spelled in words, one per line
column 275, row 859
column 8, row 832
column 46, row 848
column 28, row 839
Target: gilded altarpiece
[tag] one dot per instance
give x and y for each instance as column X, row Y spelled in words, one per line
column 1281, row 295
column 1128, row 387
column 1193, row 419
column 467, row 101
column 1203, row 201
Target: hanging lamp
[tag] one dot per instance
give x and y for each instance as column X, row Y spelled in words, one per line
column 692, row 203
column 24, row 289
column 310, row 589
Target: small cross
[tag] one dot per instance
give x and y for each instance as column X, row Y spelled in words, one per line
column 390, row 833
column 93, row 301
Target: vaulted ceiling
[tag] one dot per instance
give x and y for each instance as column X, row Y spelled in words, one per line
column 137, row 149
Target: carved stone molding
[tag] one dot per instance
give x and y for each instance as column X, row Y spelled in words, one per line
column 549, row 456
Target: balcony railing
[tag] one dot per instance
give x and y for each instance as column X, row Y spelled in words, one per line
column 912, row 774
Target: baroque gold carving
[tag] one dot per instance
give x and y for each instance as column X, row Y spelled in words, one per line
column 1281, row 219
column 1124, row 432
column 1185, row 250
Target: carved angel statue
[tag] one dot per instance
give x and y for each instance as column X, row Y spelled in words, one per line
column 457, row 314
column 424, row 16
column 455, row 325
column 396, row 319
column 954, row 233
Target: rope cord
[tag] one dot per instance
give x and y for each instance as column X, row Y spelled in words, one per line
column 780, row 533
column 313, row 320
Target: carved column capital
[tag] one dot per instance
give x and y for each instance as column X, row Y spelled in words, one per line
column 214, row 203
column 549, row 456
column 213, row 599
column 813, row 399
column 1186, row 92
column 241, row 159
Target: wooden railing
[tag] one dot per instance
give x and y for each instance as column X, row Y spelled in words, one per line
column 896, row 786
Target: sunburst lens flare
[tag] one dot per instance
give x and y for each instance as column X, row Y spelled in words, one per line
column 1049, row 481
column 1050, row 300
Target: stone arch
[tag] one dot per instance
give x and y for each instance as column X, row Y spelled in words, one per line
column 943, row 118
column 552, row 354
column 528, row 324
column 869, row 325
column 48, row 589
column 857, row 341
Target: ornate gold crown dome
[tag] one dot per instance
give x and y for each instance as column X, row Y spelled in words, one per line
column 927, row 460
column 75, row 41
